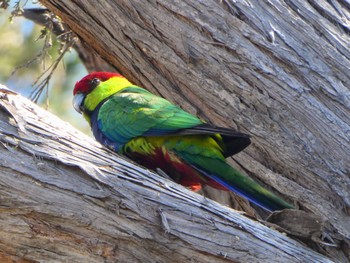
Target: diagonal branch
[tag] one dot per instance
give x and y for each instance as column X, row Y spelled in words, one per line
column 65, row 198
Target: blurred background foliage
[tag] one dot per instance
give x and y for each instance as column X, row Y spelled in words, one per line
column 21, row 43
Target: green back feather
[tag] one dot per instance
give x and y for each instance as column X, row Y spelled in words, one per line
column 136, row 112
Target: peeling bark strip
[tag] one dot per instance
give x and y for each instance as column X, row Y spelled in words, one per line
column 63, row 197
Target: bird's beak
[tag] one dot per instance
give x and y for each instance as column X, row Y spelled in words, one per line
column 78, row 101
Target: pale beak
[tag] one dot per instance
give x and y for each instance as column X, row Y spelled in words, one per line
column 78, row 102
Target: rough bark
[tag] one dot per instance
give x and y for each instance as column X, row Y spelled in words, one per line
column 278, row 70
column 65, row 198
column 275, row 69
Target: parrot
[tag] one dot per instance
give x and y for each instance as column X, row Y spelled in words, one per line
column 157, row 134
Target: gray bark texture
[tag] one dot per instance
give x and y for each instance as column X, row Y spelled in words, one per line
column 65, row 198
column 278, row 70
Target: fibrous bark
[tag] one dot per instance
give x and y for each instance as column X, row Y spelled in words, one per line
column 278, row 70
column 275, row 69
column 65, row 198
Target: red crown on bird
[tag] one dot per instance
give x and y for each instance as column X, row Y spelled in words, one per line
column 82, row 86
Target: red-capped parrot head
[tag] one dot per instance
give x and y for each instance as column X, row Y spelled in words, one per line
column 86, row 85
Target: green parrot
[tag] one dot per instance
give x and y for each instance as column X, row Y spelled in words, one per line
column 158, row 134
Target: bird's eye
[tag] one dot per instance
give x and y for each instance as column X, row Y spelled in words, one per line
column 94, row 83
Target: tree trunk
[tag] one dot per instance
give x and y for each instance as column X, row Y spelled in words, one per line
column 65, row 198
column 278, row 70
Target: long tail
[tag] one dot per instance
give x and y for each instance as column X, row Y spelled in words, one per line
column 224, row 174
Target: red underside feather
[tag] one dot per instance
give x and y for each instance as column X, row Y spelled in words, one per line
column 178, row 170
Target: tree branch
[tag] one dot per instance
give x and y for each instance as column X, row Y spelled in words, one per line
column 275, row 69
column 66, row 198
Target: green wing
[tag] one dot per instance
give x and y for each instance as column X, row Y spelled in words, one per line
column 136, row 112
